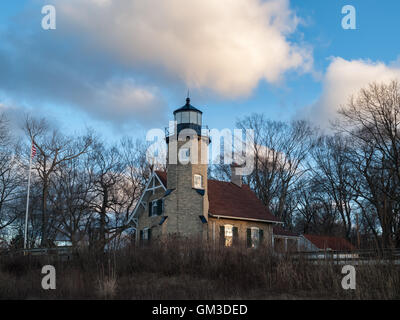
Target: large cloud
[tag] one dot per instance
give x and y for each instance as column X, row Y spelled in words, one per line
column 343, row 79
column 226, row 45
column 48, row 68
column 116, row 59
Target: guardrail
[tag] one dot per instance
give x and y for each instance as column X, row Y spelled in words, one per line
column 205, row 131
column 357, row 256
column 57, row 251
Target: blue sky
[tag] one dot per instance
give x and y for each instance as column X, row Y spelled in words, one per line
column 89, row 73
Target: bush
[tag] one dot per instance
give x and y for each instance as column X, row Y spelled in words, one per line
column 187, row 270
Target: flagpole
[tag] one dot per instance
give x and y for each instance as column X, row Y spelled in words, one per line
column 27, row 200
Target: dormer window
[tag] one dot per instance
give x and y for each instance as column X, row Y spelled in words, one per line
column 198, row 181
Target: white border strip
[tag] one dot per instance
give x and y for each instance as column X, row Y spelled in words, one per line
column 242, row 218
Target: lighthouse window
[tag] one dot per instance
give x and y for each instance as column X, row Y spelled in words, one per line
column 193, row 117
column 185, row 117
column 199, row 118
column 184, row 155
column 198, row 181
column 178, row 117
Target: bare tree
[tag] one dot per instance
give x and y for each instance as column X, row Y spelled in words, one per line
column 10, row 177
column 333, row 173
column 280, row 150
column 119, row 176
column 53, row 149
column 372, row 119
column 71, row 194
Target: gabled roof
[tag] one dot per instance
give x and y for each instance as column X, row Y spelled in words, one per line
column 163, row 177
column 333, row 243
column 226, row 199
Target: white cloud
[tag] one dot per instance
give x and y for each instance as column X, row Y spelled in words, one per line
column 47, row 76
column 226, row 45
column 342, row 80
column 123, row 99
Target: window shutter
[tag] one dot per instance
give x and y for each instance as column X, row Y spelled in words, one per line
column 159, row 207
column 235, row 236
column 150, row 207
column 261, row 236
column 141, row 237
column 222, row 235
column 248, row 238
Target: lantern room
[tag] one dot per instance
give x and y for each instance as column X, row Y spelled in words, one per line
column 188, row 117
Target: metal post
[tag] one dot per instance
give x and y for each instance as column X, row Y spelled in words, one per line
column 27, row 201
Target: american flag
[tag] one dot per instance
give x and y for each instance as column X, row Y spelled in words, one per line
column 33, row 150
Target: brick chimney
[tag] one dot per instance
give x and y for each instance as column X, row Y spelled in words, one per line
column 235, row 178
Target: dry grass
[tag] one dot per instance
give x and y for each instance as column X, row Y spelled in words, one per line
column 183, row 270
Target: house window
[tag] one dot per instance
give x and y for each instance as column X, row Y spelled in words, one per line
column 254, row 237
column 198, row 181
column 228, row 235
column 145, row 235
column 156, row 207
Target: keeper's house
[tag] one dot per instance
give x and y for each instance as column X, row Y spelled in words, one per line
column 183, row 202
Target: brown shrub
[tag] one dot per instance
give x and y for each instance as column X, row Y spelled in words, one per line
column 187, row 270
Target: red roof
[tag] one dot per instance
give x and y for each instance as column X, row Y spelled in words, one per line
column 228, row 199
column 163, row 177
column 333, row 243
column 279, row 231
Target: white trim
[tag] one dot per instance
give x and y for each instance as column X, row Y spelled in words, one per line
column 145, row 231
column 161, row 183
column 154, row 188
column 213, row 226
column 288, row 237
column 240, row 218
column 144, row 192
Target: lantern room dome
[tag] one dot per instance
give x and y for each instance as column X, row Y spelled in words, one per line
column 187, row 107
